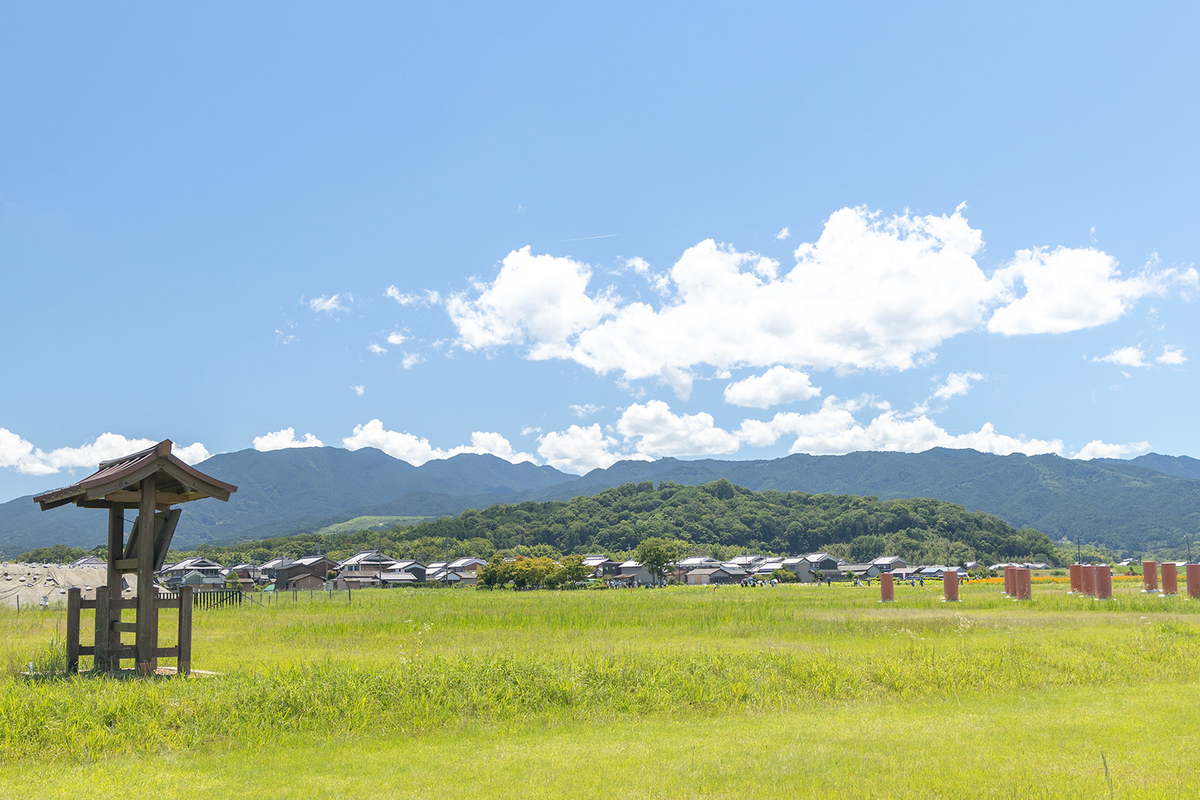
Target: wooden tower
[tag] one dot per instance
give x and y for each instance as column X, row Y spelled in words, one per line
column 150, row 481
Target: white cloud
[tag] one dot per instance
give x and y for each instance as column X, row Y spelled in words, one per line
column 359, row 389
column 538, row 300
column 329, row 305
column 528, row 430
column 417, row 450
column 1125, row 357
column 17, row 453
column 834, row 430
column 1171, row 355
column 776, row 385
column 429, row 297
column 580, row 450
column 956, row 383
column 376, row 349
column 873, row 292
column 656, row 431
column 1071, row 289
column 284, row 338
column 1099, row 449
column 396, row 338
column 410, row 360
column 283, row 440
column 585, row 410
column 783, row 235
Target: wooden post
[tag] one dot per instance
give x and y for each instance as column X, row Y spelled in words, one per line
column 185, row 631
column 1087, row 579
column 1149, row 576
column 116, row 549
column 887, row 589
column 73, row 597
column 1193, row 580
column 1024, row 584
column 146, row 616
column 1076, row 579
column 1170, row 578
column 950, row 586
column 101, row 661
column 1103, row 582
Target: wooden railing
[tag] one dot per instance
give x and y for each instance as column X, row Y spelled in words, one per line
column 215, row 598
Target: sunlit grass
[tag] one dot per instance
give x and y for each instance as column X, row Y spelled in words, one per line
column 407, row 668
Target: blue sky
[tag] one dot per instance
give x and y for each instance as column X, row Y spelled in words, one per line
column 581, row 234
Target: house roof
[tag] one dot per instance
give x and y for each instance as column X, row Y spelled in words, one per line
column 470, row 561
column 118, row 482
column 195, row 562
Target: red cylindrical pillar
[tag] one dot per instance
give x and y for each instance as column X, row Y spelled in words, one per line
column 1076, row 578
column 1087, row 579
column 1193, row 580
column 1024, row 584
column 950, row 586
column 1170, row 579
column 1104, row 582
column 887, row 591
column 1010, row 588
column 1149, row 576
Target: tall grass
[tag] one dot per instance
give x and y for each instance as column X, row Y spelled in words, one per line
column 411, row 661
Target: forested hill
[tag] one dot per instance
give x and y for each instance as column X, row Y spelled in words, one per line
column 1146, row 504
column 718, row 518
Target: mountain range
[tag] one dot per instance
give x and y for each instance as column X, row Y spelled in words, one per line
column 1149, row 502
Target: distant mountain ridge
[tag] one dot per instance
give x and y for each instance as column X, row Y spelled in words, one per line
column 1148, row 502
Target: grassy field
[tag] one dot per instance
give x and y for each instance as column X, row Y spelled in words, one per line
column 792, row 691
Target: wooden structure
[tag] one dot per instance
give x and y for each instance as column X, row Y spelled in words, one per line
column 1149, row 577
column 950, row 586
column 1170, row 578
column 1192, row 573
column 887, row 589
column 151, row 481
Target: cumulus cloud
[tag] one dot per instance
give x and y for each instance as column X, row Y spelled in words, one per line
column 410, row 360
column 1072, row 289
column 956, row 383
column 1125, row 357
column 358, row 389
column 656, row 431
column 783, row 235
column 283, row 440
column 329, row 305
column 872, row 292
column 417, row 450
column 396, row 338
column 1099, row 449
column 376, row 349
column 580, row 450
column 1171, row 355
column 19, row 454
column 541, row 301
column 776, row 385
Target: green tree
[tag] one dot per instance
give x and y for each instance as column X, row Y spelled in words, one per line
column 656, row 555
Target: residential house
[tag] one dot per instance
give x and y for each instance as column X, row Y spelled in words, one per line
column 601, row 566
column 706, row 576
column 634, row 573
column 699, row 562
column 890, row 563
column 205, row 568
column 88, row 562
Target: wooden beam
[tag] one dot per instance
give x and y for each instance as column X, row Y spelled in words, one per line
column 126, row 565
column 125, row 627
column 102, row 661
column 162, row 498
column 184, row 654
column 146, row 614
column 73, row 597
column 116, row 542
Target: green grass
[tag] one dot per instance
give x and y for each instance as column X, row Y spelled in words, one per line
column 729, row 692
